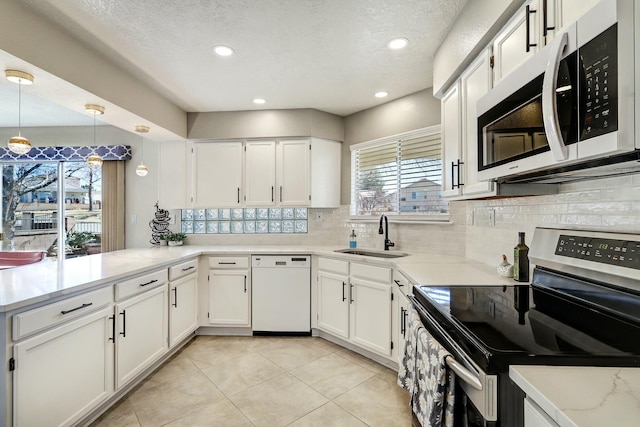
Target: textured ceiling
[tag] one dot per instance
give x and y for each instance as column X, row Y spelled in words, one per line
column 325, row 54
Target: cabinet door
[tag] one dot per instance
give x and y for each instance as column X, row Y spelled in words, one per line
column 536, row 417
column 567, row 11
column 333, row 304
column 183, row 308
column 518, row 40
column 370, row 315
column 63, row 374
column 141, row 333
column 474, row 82
column 294, row 172
column 217, row 174
column 172, row 182
column 451, row 150
column 260, row 173
column 229, row 302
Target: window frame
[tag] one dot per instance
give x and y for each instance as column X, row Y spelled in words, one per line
column 406, row 217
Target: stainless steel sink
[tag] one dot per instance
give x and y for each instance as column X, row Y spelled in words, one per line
column 371, row 252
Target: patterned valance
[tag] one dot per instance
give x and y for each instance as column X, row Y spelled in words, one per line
column 70, row 154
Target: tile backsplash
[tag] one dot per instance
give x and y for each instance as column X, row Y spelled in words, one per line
column 244, row 220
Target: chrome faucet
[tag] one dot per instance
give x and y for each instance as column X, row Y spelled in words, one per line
column 387, row 243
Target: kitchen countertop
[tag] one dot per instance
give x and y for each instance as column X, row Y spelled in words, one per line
column 35, row 283
column 576, row 396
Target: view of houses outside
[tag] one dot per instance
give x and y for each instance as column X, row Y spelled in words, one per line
column 30, row 216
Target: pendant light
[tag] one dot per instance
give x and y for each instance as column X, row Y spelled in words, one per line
column 142, row 170
column 94, row 160
column 19, row 144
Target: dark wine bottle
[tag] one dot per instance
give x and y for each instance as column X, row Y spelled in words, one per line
column 521, row 260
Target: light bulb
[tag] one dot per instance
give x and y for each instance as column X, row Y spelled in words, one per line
column 142, row 170
column 19, row 145
column 94, row 161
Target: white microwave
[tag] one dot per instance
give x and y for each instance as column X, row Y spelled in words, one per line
column 568, row 112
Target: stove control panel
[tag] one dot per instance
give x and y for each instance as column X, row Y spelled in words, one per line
column 623, row 253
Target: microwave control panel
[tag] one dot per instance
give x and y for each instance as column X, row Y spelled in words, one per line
column 599, row 59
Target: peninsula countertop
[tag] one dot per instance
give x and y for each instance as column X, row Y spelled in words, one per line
column 47, row 280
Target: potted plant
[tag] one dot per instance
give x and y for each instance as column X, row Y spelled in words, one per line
column 162, row 239
column 175, row 239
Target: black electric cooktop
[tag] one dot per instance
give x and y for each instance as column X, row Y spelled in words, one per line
column 556, row 320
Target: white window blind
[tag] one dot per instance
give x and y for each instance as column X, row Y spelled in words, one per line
column 398, row 177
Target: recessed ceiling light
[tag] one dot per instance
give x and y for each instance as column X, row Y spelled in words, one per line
column 259, row 101
column 381, row 94
column 397, row 43
column 223, row 50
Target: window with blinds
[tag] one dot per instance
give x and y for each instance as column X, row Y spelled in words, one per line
column 398, row 177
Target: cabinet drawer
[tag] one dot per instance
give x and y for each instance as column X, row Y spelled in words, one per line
column 333, row 266
column 371, row 272
column 140, row 284
column 182, row 269
column 402, row 282
column 35, row 320
column 228, row 262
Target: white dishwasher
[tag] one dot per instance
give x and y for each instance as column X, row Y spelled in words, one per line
column 281, row 294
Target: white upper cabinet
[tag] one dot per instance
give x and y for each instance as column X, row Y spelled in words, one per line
column 326, row 156
column 460, row 132
column 474, row 83
column 560, row 13
column 172, row 179
column 260, row 173
column 451, row 140
column 518, row 41
column 294, row 172
column 532, row 28
column 217, row 174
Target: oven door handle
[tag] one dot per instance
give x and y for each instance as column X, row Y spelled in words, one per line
column 463, row 373
column 458, row 368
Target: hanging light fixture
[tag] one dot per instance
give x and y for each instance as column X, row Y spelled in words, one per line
column 142, row 170
column 94, row 160
column 19, row 144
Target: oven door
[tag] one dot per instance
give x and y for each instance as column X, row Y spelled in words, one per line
column 476, row 396
column 529, row 121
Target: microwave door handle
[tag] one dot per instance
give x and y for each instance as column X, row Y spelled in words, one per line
column 549, row 104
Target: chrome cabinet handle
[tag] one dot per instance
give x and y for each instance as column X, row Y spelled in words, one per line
column 238, row 195
column 350, row 293
column 188, row 268
column 398, row 283
column 344, row 285
column 175, row 297
column 272, row 193
column 245, row 284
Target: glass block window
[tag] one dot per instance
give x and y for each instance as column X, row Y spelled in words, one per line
column 244, row 221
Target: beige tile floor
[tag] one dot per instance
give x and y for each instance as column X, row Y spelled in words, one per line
column 264, row 381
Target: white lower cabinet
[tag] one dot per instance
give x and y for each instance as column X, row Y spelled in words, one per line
column 333, row 303
column 183, row 308
column 229, row 292
column 370, row 320
column 400, row 313
column 62, row 374
column 534, row 416
column 183, row 301
column 354, row 303
column 141, row 332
